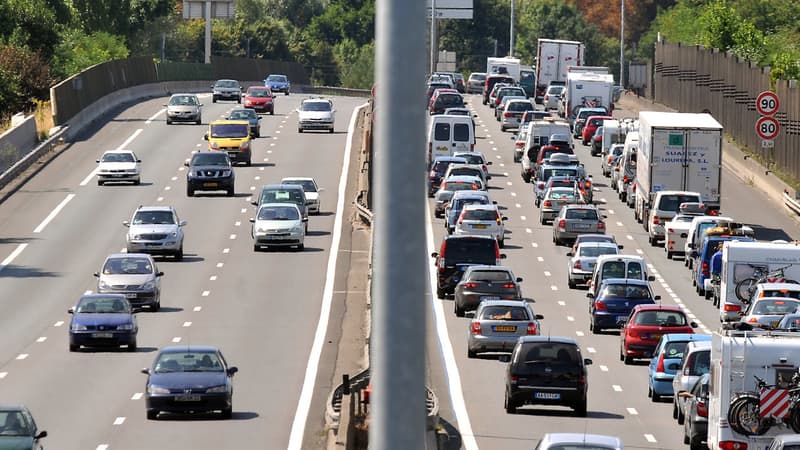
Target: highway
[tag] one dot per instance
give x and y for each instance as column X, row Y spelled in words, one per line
column 471, row 390
column 262, row 309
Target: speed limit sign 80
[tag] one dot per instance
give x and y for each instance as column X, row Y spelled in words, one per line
column 768, row 128
column 767, row 103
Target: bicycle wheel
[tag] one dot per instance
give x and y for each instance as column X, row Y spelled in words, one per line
column 744, row 289
column 794, row 418
column 746, row 417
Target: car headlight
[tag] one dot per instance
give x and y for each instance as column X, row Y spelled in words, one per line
column 226, row 173
column 174, row 234
column 218, row 389
column 245, row 145
column 214, row 145
column 149, row 285
column 78, row 327
column 103, row 285
column 248, row 102
column 261, row 230
column 157, row 390
column 298, row 229
column 125, row 327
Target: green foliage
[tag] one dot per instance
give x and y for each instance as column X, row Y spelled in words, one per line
column 358, row 64
column 9, row 155
column 30, row 23
column 78, row 51
column 676, row 24
column 26, row 73
column 474, row 40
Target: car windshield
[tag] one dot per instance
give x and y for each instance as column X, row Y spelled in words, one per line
column 188, row 362
column 103, row 306
column 227, row 84
column 118, row 157
column 316, row 106
column 153, row 218
column 15, row 423
column 480, row 214
column 210, row 159
column 661, row 318
column 595, row 251
column 258, row 93
column 278, row 78
column 581, row 214
column 281, row 196
column 127, row 266
column 513, row 313
column 307, row 185
column 625, row 291
column 673, row 202
column 183, row 100
column 549, row 353
column 243, row 114
column 772, row 307
column 278, row 213
column 229, row 130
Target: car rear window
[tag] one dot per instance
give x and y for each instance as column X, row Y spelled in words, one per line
column 625, row 291
column 770, row 307
column 660, row 318
column 441, row 131
column 788, row 293
column 480, row 214
column 675, row 349
column 519, row 106
column 546, row 154
column 616, row 269
column 559, row 173
column 281, row 196
column 673, row 202
column 594, row 251
column 547, row 352
column 454, row 186
column 477, row 251
column 699, row 362
column 490, row 275
column 581, row 214
column 449, row 100
column 504, row 313
column 472, row 171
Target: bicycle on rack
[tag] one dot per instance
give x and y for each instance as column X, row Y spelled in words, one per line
column 745, row 416
column 746, row 287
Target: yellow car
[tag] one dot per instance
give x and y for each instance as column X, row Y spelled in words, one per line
column 231, row 137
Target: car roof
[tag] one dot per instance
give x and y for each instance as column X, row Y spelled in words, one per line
column 469, row 153
column 279, row 205
column 470, row 194
column 189, row 348
column 281, row 186
column 637, row 258
column 155, row 208
column 95, row 295
column 229, row 122
column 449, row 159
column 691, row 337
column 128, row 255
column 241, row 109
column 468, row 236
column 462, row 178
column 631, row 281
column 610, row 237
column 699, row 344
column 659, row 307
column 608, row 244
column 119, row 150
column 585, row 206
column 296, row 179
column 474, row 206
column 226, row 79
column 487, row 267
column 521, row 302
column 779, row 286
column 578, row 438
column 559, row 339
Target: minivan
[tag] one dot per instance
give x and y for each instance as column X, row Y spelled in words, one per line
column 284, row 193
column 695, row 363
column 666, row 205
column 448, row 134
column 618, row 266
column 459, row 252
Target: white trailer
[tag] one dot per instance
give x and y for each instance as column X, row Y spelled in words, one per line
column 736, row 357
column 594, row 69
column 508, row 65
column 553, row 58
column 677, row 152
column 587, row 89
column 615, row 131
column 741, row 260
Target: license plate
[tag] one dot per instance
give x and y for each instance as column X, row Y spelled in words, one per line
column 210, row 184
column 479, row 227
column 622, row 318
column 187, row 398
column 130, row 295
column 580, row 226
column 102, row 335
column 547, row 395
column 505, row 328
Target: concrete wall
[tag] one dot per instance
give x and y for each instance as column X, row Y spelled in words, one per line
column 17, row 142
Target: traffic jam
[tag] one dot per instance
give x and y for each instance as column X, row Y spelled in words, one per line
column 667, row 168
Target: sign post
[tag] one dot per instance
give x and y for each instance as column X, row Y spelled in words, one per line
column 767, row 126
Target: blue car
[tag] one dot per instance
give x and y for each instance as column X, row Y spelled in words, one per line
column 278, row 83
column 666, row 362
column 102, row 320
column 615, row 300
column 702, row 266
column 189, row 379
column 438, row 168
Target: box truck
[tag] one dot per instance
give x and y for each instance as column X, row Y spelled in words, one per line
column 553, row 58
column 587, row 89
column 677, row 152
column 737, row 358
column 505, row 65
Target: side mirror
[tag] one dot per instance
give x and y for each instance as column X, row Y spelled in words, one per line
column 539, row 317
column 97, row 161
column 504, row 218
column 570, row 254
column 305, row 219
column 182, row 223
column 159, row 274
column 657, row 297
column 186, row 163
column 42, row 434
column 138, row 160
column 434, row 255
column 693, row 254
column 488, row 163
column 589, row 295
column 651, row 278
column 321, row 190
column 252, row 220
column 96, row 274
column 693, row 324
column 620, row 246
column 519, row 279
column 587, row 362
column 504, row 358
column 71, row 310
column 254, row 203
column 605, row 216
column 126, row 223
column 503, row 256
column 146, row 371
column 232, row 370
column 205, row 137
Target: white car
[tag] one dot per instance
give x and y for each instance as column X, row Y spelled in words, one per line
column 484, row 220
column 676, row 231
column 553, row 97
column 310, row 188
column 315, row 114
column 583, row 259
column 119, row 165
column 476, row 158
column 278, row 225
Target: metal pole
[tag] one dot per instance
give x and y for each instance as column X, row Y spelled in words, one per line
column 511, row 44
column 398, row 416
column 622, row 44
column 434, row 37
column 208, row 32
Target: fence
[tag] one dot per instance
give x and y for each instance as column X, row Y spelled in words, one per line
column 696, row 79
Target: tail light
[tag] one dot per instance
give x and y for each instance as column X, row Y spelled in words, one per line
column 732, row 308
column 540, row 185
column 704, row 269
column 496, row 251
column 476, row 328
column 600, row 306
column 732, row 445
column 507, row 114
column 634, row 188
column 442, row 250
column 430, row 147
column 598, row 138
column 547, row 97
column 582, row 380
column 519, row 143
column 660, row 365
column 508, row 286
column 625, row 179
column 472, row 146
column 587, row 184
column 470, row 285
column 432, row 176
column 671, row 245
column 702, row 408
column 532, row 328
column 547, row 203
column 577, row 265
column 485, row 169
column 655, row 220
column 499, row 220
column 562, row 224
column 512, row 379
column 713, row 212
column 601, row 225
column 610, row 158
column 752, row 320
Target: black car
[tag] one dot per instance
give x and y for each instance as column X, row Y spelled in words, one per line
column 189, row 379
column 459, row 252
column 438, row 169
column 210, row 171
column 546, row 370
column 695, row 425
column 18, row 429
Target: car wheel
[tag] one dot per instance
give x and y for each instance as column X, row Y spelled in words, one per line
column 137, row 182
column 299, row 130
column 287, row 92
column 230, row 192
column 627, row 360
column 74, row 348
column 227, row 413
column 502, row 128
column 99, row 182
column 301, row 247
column 652, row 394
column 459, row 311
column 169, row 122
column 239, row 100
column 199, row 121
column 189, row 192
column 152, row 414
column 542, row 220
column 272, row 113
column 132, row 347
column 653, row 240
column 571, row 285
column 213, row 99
column 330, row 131
column 580, row 408
column 256, row 248
column 471, row 354
column 669, row 254
column 511, row 408
column 681, row 417
column 501, row 243
column 179, row 254
column 248, row 163
column 707, row 295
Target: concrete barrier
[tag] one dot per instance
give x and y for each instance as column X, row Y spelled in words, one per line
column 19, row 140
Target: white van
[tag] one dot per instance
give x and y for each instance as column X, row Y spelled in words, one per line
column 539, row 132
column 628, row 165
column 448, row 134
column 618, row 266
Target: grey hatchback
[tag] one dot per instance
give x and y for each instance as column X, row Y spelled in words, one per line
column 498, row 324
column 482, row 281
column 284, row 193
column 133, row 274
column 574, row 220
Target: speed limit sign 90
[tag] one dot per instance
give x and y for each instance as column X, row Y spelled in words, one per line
column 767, row 103
column 768, row 128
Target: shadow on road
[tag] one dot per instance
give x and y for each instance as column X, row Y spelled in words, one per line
column 13, row 271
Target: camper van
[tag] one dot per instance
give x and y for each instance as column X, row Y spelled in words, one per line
column 448, row 134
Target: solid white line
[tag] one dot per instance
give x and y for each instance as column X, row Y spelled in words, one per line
column 153, row 117
column 304, row 403
column 14, row 254
column 453, row 376
column 53, row 213
column 121, row 147
column 119, row 421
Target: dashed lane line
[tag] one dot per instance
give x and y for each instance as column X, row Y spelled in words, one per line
column 10, row 258
column 137, row 396
column 53, row 213
column 632, row 411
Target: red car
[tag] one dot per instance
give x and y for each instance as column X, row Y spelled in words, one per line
column 645, row 326
column 592, row 122
column 443, row 99
column 260, row 98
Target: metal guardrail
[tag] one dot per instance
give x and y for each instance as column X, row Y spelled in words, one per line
column 792, row 203
column 332, row 90
column 26, row 161
column 364, row 213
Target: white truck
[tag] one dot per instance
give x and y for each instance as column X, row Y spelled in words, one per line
column 737, row 357
column 594, row 69
column 587, row 89
column 553, row 58
column 750, row 261
column 677, row 152
column 508, row 65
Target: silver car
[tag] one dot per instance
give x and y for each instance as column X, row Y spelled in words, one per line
column 505, row 100
column 560, row 441
column 119, row 165
column 767, row 312
column 310, row 188
column 155, row 230
column 278, row 225
column 134, row 275
column 696, row 362
column 475, row 82
column 556, row 198
column 481, row 281
column 574, row 220
column 607, row 160
column 184, row 108
column 451, row 185
column 483, row 220
column 512, row 112
column 498, row 324
column 226, row 90
column 316, row 114
column 583, row 259
column 476, row 158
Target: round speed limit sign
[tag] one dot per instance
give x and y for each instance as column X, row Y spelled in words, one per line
column 767, row 103
column 768, row 128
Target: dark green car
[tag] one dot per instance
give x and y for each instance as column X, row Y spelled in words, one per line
column 249, row 115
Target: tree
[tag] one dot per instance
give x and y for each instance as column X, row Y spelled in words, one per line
column 30, row 23
column 24, row 75
column 474, row 40
column 78, row 51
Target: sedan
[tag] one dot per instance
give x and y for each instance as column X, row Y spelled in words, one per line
column 310, row 188
column 278, row 83
column 484, row 281
column 594, row 238
column 574, row 220
column 135, row 276
column 615, row 300
column 582, row 260
column 790, row 322
column 250, row 116
column 476, row 158
column 119, row 165
column 646, row 325
column 579, row 441
column 482, row 220
column 102, row 320
column 184, row 108
column 556, row 198
column 19, row 430
column 278, row 225
column 451, row 185
column 189, row 379
column 155, row 230
column 767, row 312
column 498, row 324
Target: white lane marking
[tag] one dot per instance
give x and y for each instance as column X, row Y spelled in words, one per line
column 174, row 178
column 10, row 258
column 619, row 224
column 579, row 333
column 130, row 139
column 603, row 200
column 237, row 223
column 87, row 292
column 244, row 210
column 570, row 319
column 137, row 396
column 546, row 273
column 59, row 323
column 102, row 447
column 257, row 177
column 22, row 356
column 212, row 278
column 639, row 251
column 119, row 421
column 513, row 194
column 534, row 245
column 554, row 288
column 220, row 264
column 205, row 293
column 304, row 403
column 3, row 375
column 604, row 368
column 197, row 308
column 233, row 236
column 488, row 136
column 160, row 199
column 523, row 217
column 630, row 238
column 502, row 165
column 528, row 230
column 153, row 117
column 226, row 250
column 562, row 303
column 175, row 340
column 491, row 142
column 518, row 205
column 616, row 387
column 610, row 211
column 508, row 183
column 252, row 188
column 41, row 339
column 261, row 168
column 632, row 411
column 53, row 213
column 650, row 438
column 167, row 188
column 591, row 350
column 187, row 324
column 505, row 174
column 540, row 259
